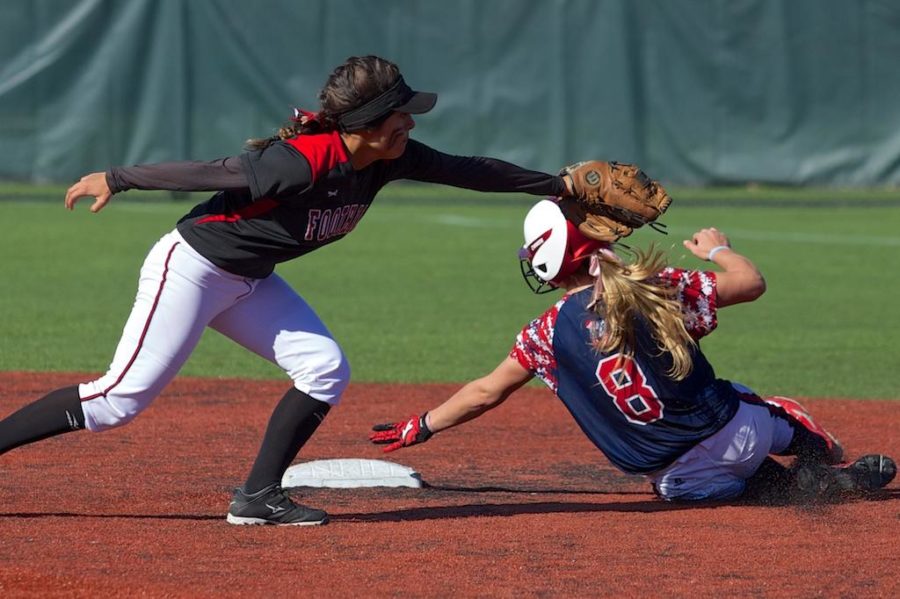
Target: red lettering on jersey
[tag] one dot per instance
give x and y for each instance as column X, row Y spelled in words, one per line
column 625, row 383
column 311, row 220
column 324, row 222
column 358, row 217
column 336, row 221
column 345, row 214
column 347, row 225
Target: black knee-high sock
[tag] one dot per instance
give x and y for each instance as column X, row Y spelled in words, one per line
column 295, row 419
column 806, row 445
column 770, row 482
column 54, row 414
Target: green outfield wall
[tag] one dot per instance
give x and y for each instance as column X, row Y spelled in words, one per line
column 699, row 92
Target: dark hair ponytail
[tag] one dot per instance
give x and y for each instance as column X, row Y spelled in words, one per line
column 350, row 85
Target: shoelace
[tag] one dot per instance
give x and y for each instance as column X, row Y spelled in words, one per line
column 284, row 494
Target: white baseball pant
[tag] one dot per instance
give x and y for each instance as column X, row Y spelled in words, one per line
column 180, row 293
column 718, row 467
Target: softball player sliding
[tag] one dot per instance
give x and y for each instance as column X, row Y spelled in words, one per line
column 287, row 196
column 620, row 350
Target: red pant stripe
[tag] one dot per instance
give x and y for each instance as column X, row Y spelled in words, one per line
column 140, row 343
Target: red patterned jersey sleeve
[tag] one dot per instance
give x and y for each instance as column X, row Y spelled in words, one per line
column 534, row 346
column 697, row 296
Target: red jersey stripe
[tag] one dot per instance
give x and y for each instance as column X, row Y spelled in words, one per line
column 253, row 210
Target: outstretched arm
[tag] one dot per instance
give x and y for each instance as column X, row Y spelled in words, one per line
column 423, row 163
column 225, row 173
column 740, row 280
column 479, row 396
column 473, row 400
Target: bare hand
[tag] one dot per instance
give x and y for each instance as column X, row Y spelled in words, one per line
column 704, row 240
column 93, row 185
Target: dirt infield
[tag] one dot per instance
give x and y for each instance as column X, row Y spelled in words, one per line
column 520, row 504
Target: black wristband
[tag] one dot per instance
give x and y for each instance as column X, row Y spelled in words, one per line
column 424, row 432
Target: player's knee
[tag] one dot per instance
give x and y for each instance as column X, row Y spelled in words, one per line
column 326, row 376
column 112, row 402
column 716, row 489
column 106, row 412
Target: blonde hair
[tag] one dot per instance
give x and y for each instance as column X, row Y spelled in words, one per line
column 624, row 291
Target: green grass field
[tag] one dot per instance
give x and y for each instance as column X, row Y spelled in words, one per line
column 428, row 287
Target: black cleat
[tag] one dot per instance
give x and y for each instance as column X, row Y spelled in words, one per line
column 867, row 474
column 271, row 505
column 814, row 483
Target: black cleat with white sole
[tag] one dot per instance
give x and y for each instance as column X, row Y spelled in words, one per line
column 271, row 505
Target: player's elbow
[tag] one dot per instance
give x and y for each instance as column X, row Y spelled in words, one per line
column 491, row 390
column 752, row 286
column 486, row 394
column 740, row 287
column 756, row 286
column 484, row 398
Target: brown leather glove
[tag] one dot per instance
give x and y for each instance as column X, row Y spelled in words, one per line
column 611, row 199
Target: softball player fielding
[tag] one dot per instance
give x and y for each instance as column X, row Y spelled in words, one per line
column 288, row 195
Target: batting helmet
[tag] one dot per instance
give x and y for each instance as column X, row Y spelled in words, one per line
column 554, row 247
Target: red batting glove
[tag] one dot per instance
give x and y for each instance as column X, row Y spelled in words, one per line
column 401, row 434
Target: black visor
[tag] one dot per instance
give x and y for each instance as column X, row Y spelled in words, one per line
column 399, row 97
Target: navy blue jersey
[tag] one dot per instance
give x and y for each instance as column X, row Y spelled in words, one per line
column 639, row 417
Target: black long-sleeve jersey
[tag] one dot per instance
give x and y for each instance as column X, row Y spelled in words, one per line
column 297, row 195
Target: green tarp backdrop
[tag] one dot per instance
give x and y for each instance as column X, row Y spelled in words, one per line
column 699, row 92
